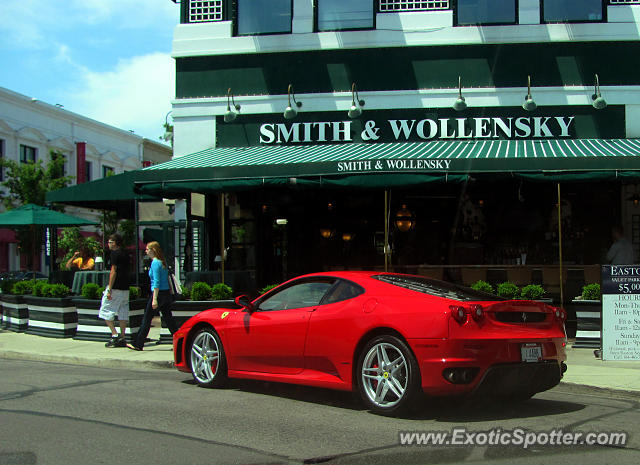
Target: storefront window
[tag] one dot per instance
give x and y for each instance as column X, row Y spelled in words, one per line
column 564, row 11
column 472, row 12
column 264, row 16
column 335, row 15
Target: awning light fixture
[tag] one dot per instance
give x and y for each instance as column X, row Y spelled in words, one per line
column 230, row 114
column 460, row 104
column 355, row 110
column 529, row 104
column 598, row 101
column 291, row 111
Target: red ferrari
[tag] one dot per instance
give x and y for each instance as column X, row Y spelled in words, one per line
column 391, row 337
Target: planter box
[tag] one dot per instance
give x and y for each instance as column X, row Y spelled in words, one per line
column 15, row 314
column 588, row 323
column 182, row 310
column 51, row 316
column 92, row 328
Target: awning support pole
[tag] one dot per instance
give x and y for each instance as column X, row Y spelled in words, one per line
column 137, row 252
column 222, row 251
column 560, row 245
column 386, row 230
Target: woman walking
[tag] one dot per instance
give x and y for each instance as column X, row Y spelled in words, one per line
column 160, row 298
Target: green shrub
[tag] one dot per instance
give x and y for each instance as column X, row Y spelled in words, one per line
column 532, row 292
column 591, row 292
column 508, row 290
column 134, row 292
column 23, row 287
column 6, row 286
column 483, row 286
column 221, row 291
column 55, row 290
column 38, row 288
column 91, row 291
column 186, row 292
column 266, row 289
column 200, row 291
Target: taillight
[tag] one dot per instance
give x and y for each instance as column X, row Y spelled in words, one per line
column 560, row 314
column 458, row 313
column 477, row 312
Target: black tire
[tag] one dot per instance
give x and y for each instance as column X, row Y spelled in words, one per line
column 207, row 359
column 388, row 389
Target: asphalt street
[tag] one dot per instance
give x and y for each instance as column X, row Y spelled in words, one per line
column 58, row 413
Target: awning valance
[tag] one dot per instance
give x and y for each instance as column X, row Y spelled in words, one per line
column 391, row 164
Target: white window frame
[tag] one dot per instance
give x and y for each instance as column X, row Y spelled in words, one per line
column 35, row 153
column 205, row 11
column 393, row 6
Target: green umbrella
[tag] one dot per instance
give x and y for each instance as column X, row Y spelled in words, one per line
column 31, row 214
column 35, row 215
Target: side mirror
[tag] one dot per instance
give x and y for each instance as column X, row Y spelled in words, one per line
column 244, row 302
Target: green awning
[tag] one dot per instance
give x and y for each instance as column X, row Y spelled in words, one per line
column 111, row 193
column 391, row 164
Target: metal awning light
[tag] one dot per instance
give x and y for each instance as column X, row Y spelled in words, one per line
column 460, row 104
column 529, row 104
column 291, row 111
column 230, row 114
column 598, row 101
column 355, row 110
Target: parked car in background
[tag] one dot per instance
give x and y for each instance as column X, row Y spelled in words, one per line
column 390, row 337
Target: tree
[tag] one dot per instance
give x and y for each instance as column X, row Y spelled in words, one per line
column 29, row 182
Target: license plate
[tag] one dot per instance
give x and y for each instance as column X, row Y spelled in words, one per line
column 531, row 352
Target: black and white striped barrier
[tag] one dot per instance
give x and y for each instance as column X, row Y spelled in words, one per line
column 588, row 324
column 51, row 317
column 15, row 314
column 92, row 328
column 182, row 310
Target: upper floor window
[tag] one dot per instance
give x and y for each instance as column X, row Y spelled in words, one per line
column 28, row 154
column 566, row 11
column 62, row 168
column 87, row 171
column 264, row 16
column 1, row 158
column 624, row 2
column 475, row 12
column 107, row 171
column 205, row 11
column 412, row 5
column 334, row 15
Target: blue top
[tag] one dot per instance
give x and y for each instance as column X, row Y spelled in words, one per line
column 159, row 276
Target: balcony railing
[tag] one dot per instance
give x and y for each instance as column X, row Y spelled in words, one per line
column 387, row 6
column 204, row 11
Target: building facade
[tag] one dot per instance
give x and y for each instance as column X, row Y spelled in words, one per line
column 463, row 117
column 31, row 129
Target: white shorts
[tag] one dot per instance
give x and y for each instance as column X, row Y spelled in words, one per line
column 118, row 305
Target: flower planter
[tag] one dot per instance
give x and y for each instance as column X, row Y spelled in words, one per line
column 15, row 314
column 51, row 316
column 588, row 323
column 92, row 328
column 182, row 310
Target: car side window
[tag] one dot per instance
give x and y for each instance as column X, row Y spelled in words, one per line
column 301, row 295
column 343, row 290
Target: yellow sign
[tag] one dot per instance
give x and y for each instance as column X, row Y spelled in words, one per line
column 224, row 315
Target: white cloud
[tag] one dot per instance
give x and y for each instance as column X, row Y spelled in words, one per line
column 135, row 95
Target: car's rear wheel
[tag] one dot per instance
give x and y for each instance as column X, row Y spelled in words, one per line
column 388, row 375
column 208, row 362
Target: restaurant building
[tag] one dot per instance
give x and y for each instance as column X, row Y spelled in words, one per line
column 435, row 137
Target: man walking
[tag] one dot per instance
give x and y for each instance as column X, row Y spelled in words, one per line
column 115, row 300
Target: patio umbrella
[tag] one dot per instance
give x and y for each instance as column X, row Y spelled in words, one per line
column 34, row 216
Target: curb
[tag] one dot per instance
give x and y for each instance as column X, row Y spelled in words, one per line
column 85, row 361
column 601, row 389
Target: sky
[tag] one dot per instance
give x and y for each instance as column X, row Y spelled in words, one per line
column 108, row 60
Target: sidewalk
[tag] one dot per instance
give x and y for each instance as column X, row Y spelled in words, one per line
column 583, row 367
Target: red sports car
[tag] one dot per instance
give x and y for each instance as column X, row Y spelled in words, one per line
column 389, row 336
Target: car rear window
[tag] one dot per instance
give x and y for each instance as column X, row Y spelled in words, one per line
column 437, row 288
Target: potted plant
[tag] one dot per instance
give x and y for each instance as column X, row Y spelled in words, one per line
column 588, row 307
column 52, row 313
column 92, row 328
column 534, row 292
column 508, row 290
column 15, row 313
column 196, row 298
column 483, row 286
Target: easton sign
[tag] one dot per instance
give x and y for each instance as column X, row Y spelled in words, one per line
column 395, row 130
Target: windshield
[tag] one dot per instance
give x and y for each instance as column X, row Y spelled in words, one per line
column 437, row 288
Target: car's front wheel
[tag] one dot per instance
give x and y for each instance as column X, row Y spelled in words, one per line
column 388, row 375
column 208, row 362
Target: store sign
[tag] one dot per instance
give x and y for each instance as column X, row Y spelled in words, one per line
column 401, row 130
column 621, row 312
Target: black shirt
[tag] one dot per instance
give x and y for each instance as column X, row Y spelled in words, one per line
column 120, row 259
